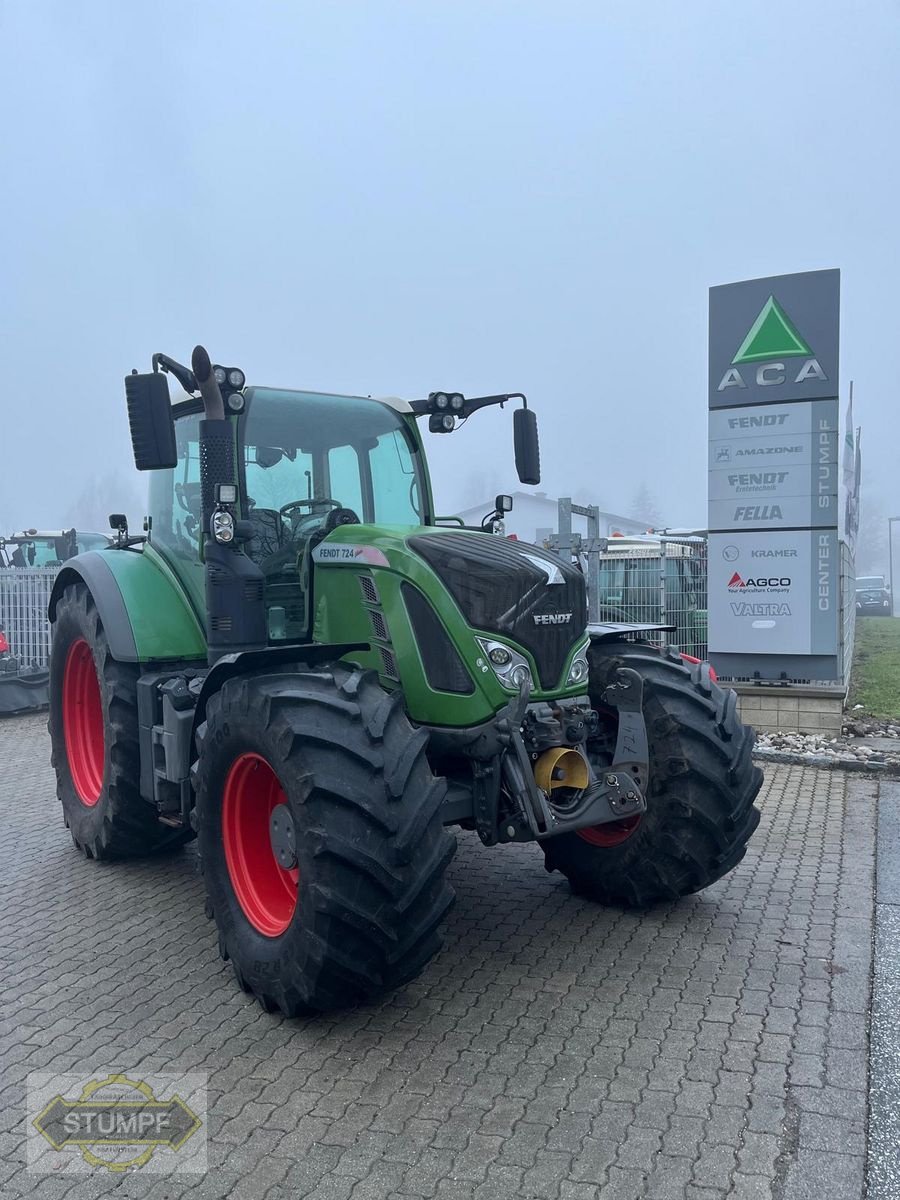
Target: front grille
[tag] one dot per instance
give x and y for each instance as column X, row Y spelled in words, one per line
column 368, row 589
column 389, row 663
column 379, row 626
column 502, row 586
column 444, row 669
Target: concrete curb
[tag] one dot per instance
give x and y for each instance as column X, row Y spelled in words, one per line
column 883, row 1165
column 822, row 761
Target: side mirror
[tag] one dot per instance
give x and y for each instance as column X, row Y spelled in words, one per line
column 268, row 456
column 503, row 504
column 150, row 420
column 525, row 440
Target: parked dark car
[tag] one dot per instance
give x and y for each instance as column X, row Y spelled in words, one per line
column 873, row 596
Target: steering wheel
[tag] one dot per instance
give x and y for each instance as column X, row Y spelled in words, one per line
column 286, row 509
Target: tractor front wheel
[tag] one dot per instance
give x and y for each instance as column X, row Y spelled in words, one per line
column 94, row 739
column 321, row 840
column 700, row 811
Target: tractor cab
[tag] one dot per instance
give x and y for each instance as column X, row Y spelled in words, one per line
column 306, row 464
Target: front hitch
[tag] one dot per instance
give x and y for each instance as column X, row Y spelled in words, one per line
column 611, row 798
column 617, row 794
column 632, row 753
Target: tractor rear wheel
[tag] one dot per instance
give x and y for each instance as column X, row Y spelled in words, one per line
column 700, row 812
column 94, row 739
column 321, row 840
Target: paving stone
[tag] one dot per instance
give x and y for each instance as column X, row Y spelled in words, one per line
column 554, row 1049
column 816, row 1173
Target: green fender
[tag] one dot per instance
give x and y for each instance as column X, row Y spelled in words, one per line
column 145, row 611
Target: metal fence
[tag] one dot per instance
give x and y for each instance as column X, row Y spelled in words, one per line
column 24, row 596
column 657, row 580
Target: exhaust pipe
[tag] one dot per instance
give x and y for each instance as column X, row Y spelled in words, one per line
column 235, row 598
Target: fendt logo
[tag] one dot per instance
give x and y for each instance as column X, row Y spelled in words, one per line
column 737, row 583
column 756, row 480
column 552, row 618
column 771, row 338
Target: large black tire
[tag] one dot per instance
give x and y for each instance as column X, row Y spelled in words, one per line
column 700, row 812
column 360, row 913
column 94, row 739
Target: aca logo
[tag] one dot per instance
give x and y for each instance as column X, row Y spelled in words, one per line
column 771, row 339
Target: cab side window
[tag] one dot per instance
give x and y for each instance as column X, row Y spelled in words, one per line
column 175, row 494
column 394, row 482
column 344, row 483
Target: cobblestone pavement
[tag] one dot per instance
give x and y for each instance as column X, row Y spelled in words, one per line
column 715, row 1047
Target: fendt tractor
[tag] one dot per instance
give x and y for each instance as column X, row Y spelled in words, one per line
column 302, row 666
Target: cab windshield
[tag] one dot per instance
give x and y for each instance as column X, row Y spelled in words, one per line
column 311, row 462
column 305, row 454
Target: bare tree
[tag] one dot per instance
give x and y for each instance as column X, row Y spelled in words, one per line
column 872, row 536
column 102, row 495
column 644, row 507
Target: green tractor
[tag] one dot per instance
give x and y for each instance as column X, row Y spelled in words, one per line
column 304, row 668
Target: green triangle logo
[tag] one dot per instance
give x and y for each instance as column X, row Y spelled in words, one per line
column 772, row 335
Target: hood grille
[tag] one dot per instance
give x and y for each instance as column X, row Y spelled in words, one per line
column 505, row 588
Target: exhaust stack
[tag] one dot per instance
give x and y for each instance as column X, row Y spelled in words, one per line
column 235, row 600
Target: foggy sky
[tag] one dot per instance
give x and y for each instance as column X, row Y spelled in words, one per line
column 390, row 198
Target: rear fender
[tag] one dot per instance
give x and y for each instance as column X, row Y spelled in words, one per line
column 614, row 631
column 146, row 614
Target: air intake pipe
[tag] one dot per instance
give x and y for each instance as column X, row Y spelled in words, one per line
column 235, row 600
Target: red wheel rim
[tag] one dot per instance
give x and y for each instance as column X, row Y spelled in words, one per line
column 82, row 714
column 614, row 833
column 266, row 892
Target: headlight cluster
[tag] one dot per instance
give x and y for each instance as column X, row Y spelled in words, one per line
column 452, row 400
column 223, row 526
column 233, row 376
column 579, row 670
column 510, row 667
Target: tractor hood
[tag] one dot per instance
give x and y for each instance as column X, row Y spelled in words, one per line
column 513, row 589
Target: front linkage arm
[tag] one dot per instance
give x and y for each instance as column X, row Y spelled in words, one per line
column 617, row 794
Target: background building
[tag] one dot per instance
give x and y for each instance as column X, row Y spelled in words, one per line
column 534, row 518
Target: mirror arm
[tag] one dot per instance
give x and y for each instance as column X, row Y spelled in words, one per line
column 184, row 376
column 423, row 408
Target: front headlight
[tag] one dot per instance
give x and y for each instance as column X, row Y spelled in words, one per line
column 508, row 665
column 223, row 526
column 579, row 670
column 519, row 675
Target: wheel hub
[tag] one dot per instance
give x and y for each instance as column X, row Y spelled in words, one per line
column 283, row 837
